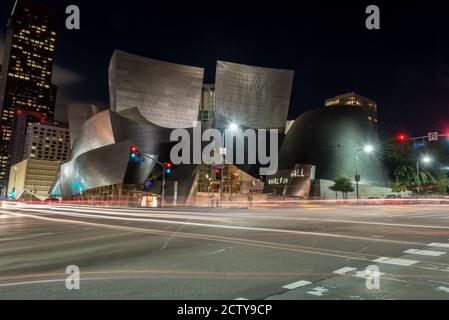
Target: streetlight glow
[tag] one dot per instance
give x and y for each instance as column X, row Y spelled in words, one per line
column 233, row 127
column 427, row 159
column 368, row 148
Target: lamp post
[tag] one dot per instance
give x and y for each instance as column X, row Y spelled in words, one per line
column 367, row 149
column 232, row 127
column 14, row 187
column 425, row 160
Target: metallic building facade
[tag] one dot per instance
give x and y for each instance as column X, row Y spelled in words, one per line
column 149, row 99
column 78, row 114
column 165, row 93
column 329, row 138
column 100, row 154
column 253, row 97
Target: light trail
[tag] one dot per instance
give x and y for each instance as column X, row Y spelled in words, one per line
column 229, row 227
column 208, row 217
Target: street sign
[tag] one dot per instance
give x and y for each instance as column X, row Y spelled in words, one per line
column 433, row 136
column 148, row 184
column 419, row 145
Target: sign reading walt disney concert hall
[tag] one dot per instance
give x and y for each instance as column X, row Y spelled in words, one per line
column 293, row 183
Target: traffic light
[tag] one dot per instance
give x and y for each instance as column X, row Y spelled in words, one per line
column 168, row 168
column 402, row 137
column 218, row 174
column 134, row 153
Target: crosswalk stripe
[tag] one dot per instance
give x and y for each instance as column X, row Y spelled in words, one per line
column 297, row 284
column 396, row 261
column 365, row 275
column 344, row 270
column 425, row 252
column 439, row 245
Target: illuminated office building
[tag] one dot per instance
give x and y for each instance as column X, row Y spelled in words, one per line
column 32, row 178
column 47, row 141
column 354, row 100
column 20, row 124
column 27, row 71
column 207, row 103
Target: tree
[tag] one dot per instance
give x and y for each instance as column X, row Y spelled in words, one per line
column 343, row 185
column 442, row 183
column 398, row 187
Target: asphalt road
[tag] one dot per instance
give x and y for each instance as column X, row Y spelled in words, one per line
column 313, row 251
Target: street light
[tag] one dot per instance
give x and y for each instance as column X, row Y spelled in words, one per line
column 233, row 127
column 15, row 179
column 425, row 160
column 368, row 149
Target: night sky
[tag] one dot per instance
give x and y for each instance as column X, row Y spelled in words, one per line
column 404, row 66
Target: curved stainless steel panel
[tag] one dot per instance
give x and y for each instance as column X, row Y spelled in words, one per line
column 102, row 167
column 78, row 114
column 254, row 97
column 166, row 94
column 329, row 138
column 95, row 133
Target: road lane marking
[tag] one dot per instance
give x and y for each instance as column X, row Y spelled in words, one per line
column 439, row 245
column 241, row 299
column 172, row 237
column 318, row 291
column 263, row 244
column 425, row 252
column 297, row 284
column 367, row 275
column 396, row 261
column 444, row 289
column 344, row 270
column 215, row 252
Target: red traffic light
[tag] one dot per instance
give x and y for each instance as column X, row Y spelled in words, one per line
column 133, row 149
column 402, row 137
column 168, row 165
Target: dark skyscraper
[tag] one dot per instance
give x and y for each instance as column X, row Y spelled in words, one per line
column 27, row 71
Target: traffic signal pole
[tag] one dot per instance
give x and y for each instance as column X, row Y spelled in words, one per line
column 163, row 177
column 163, row 187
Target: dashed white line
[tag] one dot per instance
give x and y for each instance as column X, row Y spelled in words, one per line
column 425, row 252
column 297, row 284
column 396, row 261
column 318, row 291
column 344, row 270
column 439, row 245
column 444, row 289
column 366, row 275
